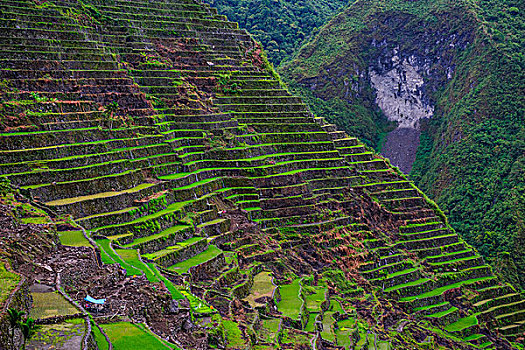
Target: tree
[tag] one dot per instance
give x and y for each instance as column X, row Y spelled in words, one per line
column 15, row 318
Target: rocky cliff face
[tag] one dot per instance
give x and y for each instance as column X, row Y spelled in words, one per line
column 399, row 93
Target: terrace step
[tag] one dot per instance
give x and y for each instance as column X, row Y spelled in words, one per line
column 180, row 252
column 213, row 228
column 458, row 264
column 508, row 308
column 416, row 244
column 515, row 329
column 432, row 309
column 511, row 317
column 445, row 317
column 447, row 257
column 84, row 206
column 398, row 278
column 491, row 293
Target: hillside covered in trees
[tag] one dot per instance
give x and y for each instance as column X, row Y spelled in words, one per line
column 281, row 26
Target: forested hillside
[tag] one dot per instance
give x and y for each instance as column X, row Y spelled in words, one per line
column 467, row 59
column 281, row 26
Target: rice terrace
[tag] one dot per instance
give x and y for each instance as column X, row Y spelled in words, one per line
column 162, row 188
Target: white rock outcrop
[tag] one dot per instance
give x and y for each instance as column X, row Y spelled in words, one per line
column 399, row 93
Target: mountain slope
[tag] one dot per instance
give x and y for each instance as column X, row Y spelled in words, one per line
column 161, row 140
column 450, row 74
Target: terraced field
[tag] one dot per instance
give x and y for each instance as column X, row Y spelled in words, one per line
column 162, row 131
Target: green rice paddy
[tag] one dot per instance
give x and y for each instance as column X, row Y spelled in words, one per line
column 290, row 304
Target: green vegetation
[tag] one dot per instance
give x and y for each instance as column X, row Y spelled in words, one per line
column 73, row 239
column 58, row 335
column 8, row 282
column 269, row 329
column 29, row 329
column 262, row 287
column 462, row 324
column 233, row 335
column 102, row 343
column 344, row 331
column 131, row 258
column 14, row 317
column 313, row 297
column 290, row 304
column 328, row 324
column 281, row 26
column 50, row 305
column 105, row 245
column 124, row 335
column 210, row 253
column 203, row 163
column 175, row 293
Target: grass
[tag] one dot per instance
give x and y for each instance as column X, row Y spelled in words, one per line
column 428, row 307
column 410, row 284
column 443, row 313
column 336, row 306
column 175, row 293
column 67, row 334
column 166, row 232
column 310, row 326
column 403, row 272
column 184, row 266
column 328, row 332
column 73, row 239
column 35, row 220
column 106, row 259
column 124, row 336
column 313, row 301
column 98, row 195
column 170, row 209
column 105, row 244
column 233, row 335
column 442, row 263
column 131, row 257
column 462, row 323
column 262, row 287
column 51, row 304
column 101, row 341
column 8, row 282
column 196, row 304
column 290, row 304
column 269, row 329
column 344, row 332
column 474, row 337
column 441, row 290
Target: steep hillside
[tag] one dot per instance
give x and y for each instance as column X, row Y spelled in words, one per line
column 450, row 75
column 205, row 203
column 281, row 26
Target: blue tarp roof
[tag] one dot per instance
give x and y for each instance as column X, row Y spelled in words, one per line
column 95, row 301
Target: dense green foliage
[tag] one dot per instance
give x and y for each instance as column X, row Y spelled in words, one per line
column 471, row 158
column 478, row 178
column 281, row 26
